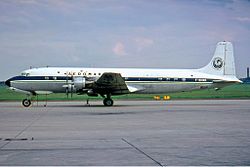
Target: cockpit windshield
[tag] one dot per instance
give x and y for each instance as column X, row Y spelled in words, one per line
column 25, row 74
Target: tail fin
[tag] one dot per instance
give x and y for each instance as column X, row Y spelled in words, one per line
column 222, row 62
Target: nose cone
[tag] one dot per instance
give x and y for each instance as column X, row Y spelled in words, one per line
column 7, row 82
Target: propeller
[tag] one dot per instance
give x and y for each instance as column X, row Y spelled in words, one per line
column 71, row 90
column 67, row 92
column 69, row 87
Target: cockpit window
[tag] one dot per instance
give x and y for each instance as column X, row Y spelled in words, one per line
column 25, row 74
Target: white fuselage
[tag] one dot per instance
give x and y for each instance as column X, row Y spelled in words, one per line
column 139, row 80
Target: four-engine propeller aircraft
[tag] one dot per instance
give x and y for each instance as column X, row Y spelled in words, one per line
column 108, row 82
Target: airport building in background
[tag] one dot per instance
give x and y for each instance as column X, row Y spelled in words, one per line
column 247, row 79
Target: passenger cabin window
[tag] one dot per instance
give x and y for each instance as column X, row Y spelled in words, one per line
column 160, row 79
column 47, row 78
column 200, row 80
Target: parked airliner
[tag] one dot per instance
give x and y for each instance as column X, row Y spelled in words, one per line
column 107, row 82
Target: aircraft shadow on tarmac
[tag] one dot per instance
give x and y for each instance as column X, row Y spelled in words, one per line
column 101, row 110
column 94, row 105
column 124, row 105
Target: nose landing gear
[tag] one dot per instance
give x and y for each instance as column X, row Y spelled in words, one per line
column 26, row 102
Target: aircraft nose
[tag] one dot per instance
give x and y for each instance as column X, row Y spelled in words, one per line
column 7, row 82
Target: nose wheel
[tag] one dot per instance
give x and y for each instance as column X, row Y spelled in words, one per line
column 26, row 102
column 108, row 102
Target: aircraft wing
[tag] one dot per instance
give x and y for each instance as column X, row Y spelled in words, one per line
column 110, row 83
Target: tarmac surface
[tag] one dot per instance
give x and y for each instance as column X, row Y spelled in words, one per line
column 157, row 133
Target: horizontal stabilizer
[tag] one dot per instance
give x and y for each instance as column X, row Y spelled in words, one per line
column 227, row 81
column 135, row 88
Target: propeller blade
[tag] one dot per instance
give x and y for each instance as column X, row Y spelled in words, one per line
column 67, row 88
column 67, row 92
column 71, row 91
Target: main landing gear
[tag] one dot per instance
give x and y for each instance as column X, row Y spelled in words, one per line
column 26, row 102
column 107, row 101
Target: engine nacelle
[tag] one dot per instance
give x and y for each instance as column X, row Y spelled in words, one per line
column 79, row 82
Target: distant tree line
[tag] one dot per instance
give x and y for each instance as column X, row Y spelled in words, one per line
column 2, row 83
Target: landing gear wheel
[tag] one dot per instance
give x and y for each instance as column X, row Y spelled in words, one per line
column 26, row 103
column 108, row 102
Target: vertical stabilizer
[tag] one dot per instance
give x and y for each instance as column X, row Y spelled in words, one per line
column 222, row 62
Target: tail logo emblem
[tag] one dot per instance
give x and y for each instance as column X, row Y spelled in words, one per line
column 217, row 63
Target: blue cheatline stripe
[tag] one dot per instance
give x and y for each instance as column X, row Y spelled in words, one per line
column 41, row 78
column 143, row 79
column 169, row 79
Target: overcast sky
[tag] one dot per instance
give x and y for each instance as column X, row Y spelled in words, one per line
column 120, row 33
